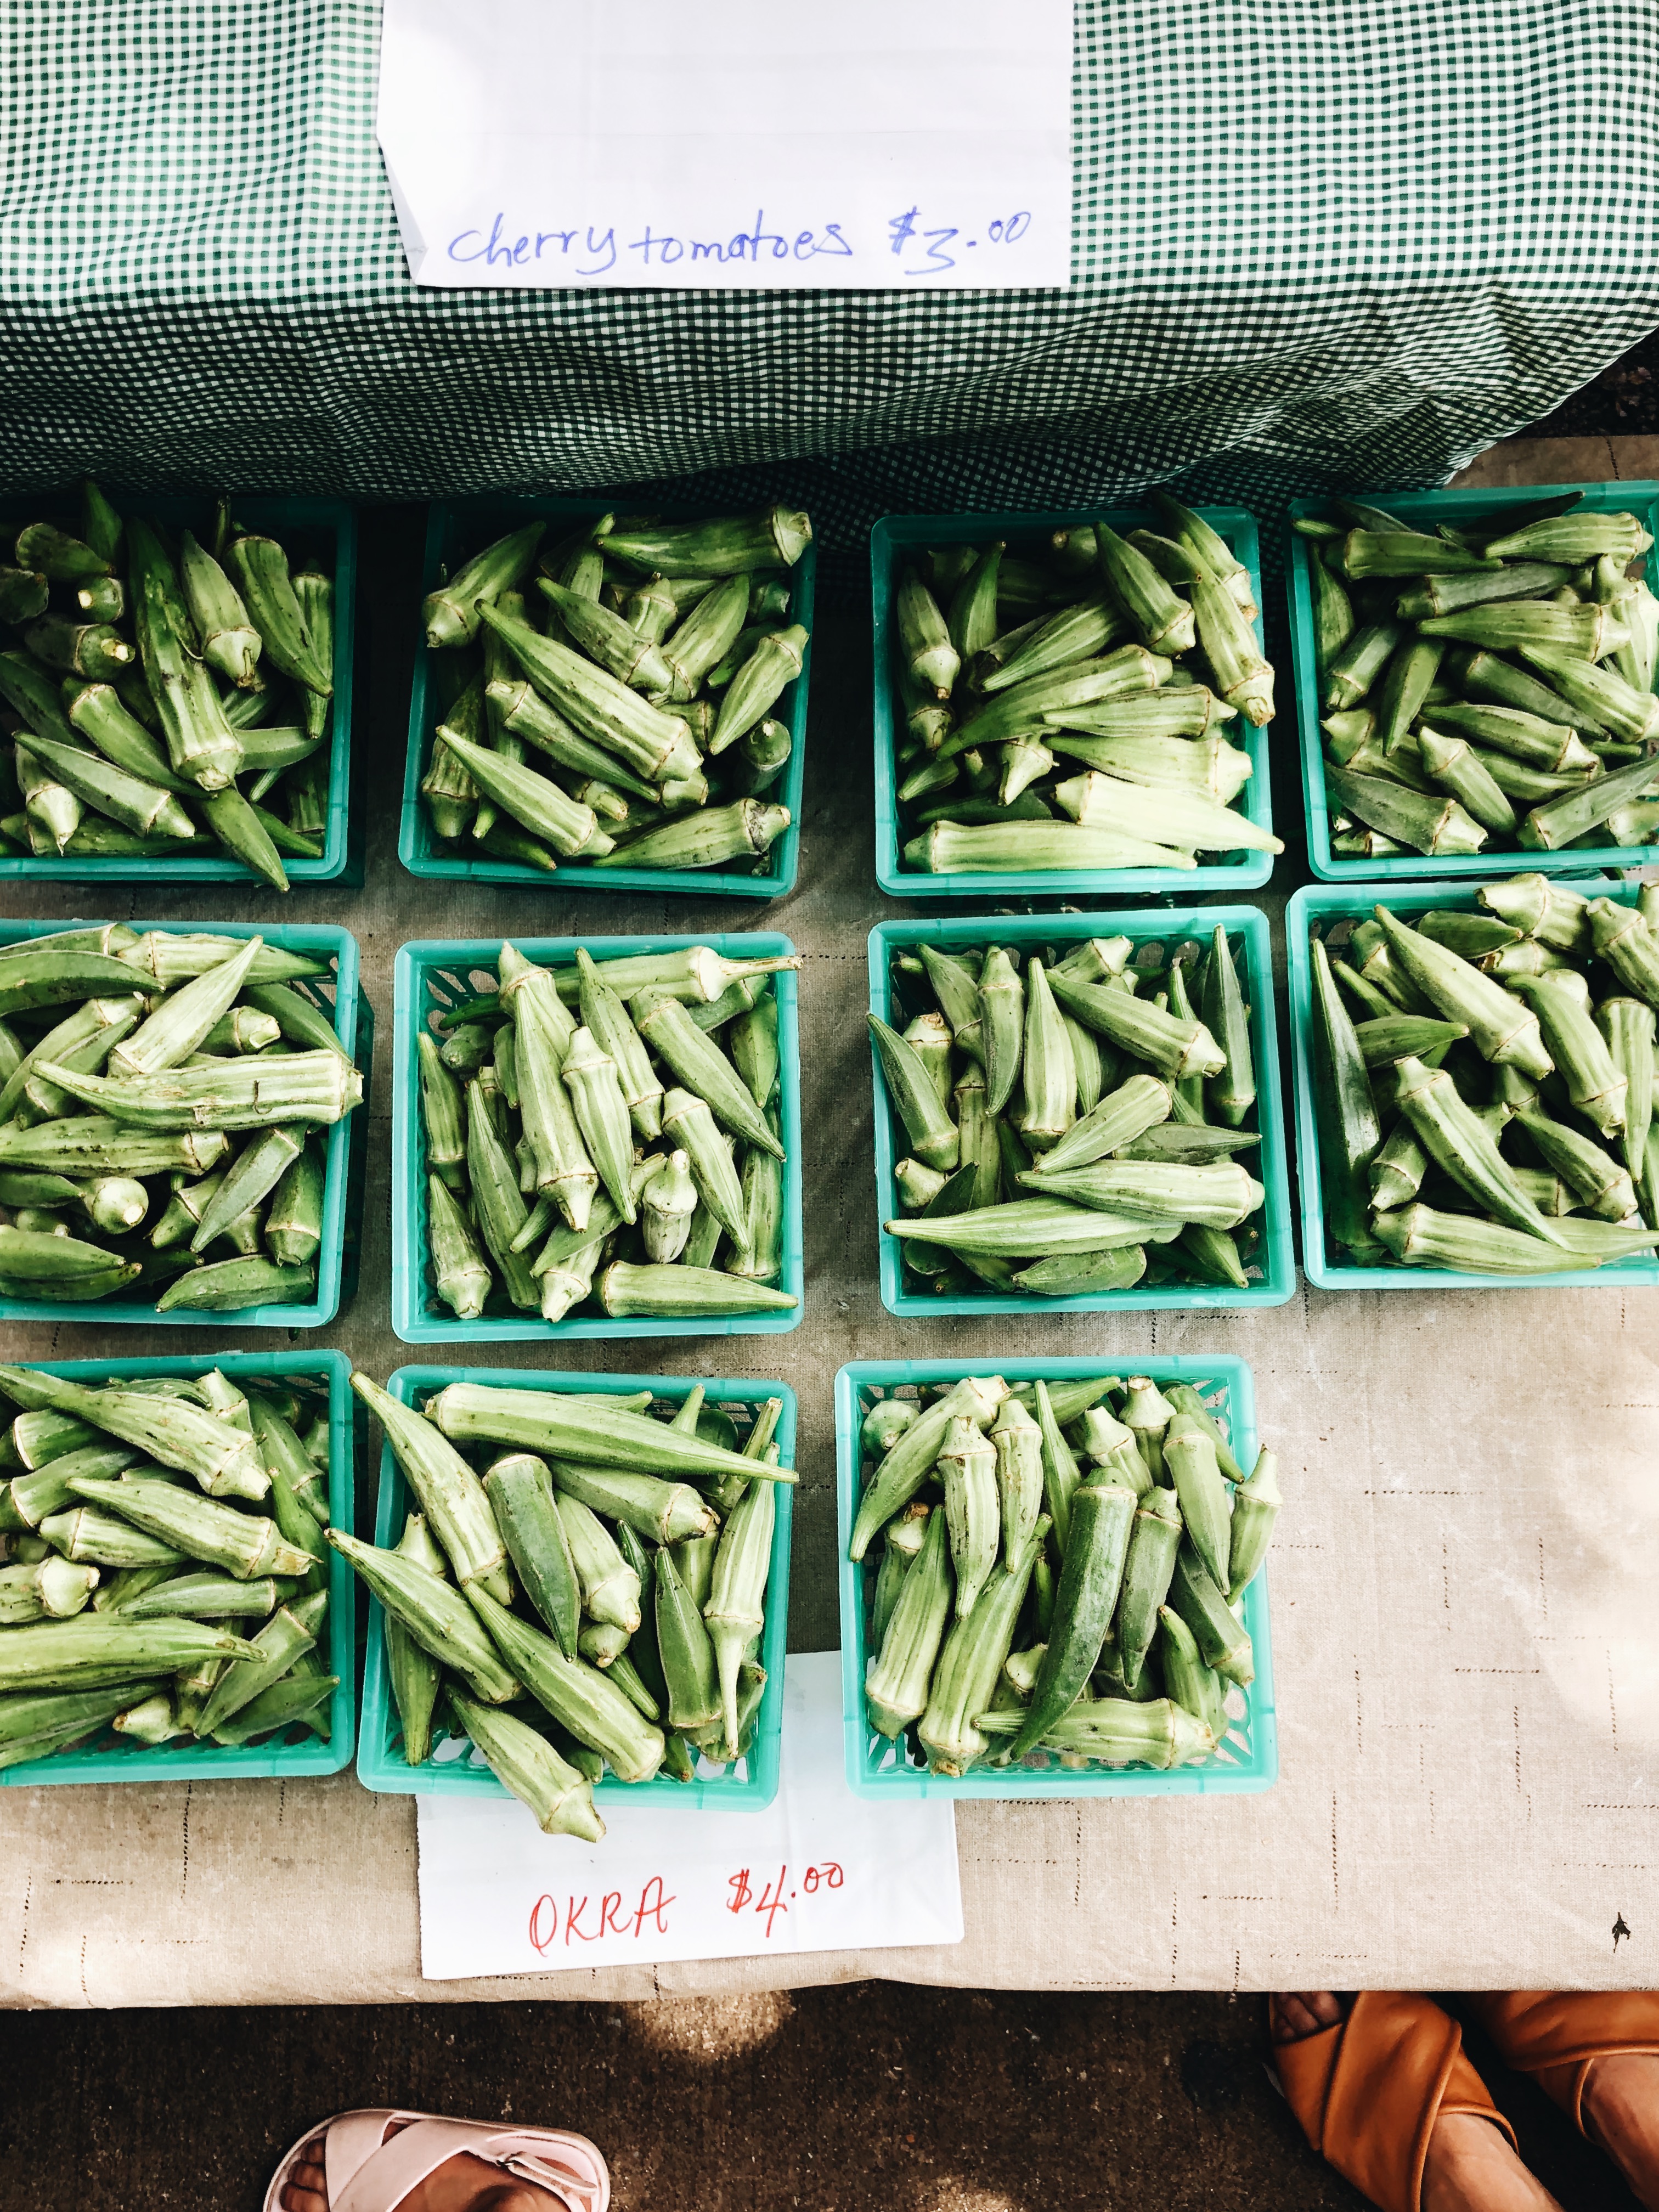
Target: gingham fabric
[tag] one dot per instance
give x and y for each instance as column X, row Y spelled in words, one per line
column 1316, row 242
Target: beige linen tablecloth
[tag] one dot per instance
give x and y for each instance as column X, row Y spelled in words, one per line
column 1463, row 1595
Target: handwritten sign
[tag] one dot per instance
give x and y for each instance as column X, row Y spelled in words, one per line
column 819, row 1870
column 902, row 144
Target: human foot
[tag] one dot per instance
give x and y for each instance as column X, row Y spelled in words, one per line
column 1620, row 2107
column 1470, row 2167
column 461, row 2184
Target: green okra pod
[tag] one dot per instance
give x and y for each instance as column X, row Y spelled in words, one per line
column 735, row 1613
column 1596, row 1086
column 934, row 1138
column 1256, row 1509
column 296, row 1697
column 89, row 1536
column 1503, row 1030
column 1169, row 1046
column 610, row 1587
column 291, row 1630
column 1047, row 1071
column 910, row 1458
column 1219, row 1195
column 593, row 1434
column 1189, row 1678
column 1628, row 1027
column 1603, row 1184
column 968, row 1666
column 436, row 1614
column 94, row 1650
column 1002, row 1026
column 703, row 1067
column 607, row 1018
column 689, row 1663
column 1061, row 1473
column 924, row 637
column 258, row 568
column 966, row 1465
column 1159, row 1734
column 520, row 1487
column 1459, row 1143
column 560, row 1798
column 1149, row 1568
column 1092, row 1574
column 895, row 1688
column 499, row 1207
column 1221, row 1637
column 1629, row 943
column 1189, row 1456
column 776, row 661
column 885, row 1423
column 1016, row 1440
column 450, row 1495
column 730, row 545
column 1022, row 1228
column 201, row 1596
column 579, row 1696
column 591, row 1077
column 1140, row 1103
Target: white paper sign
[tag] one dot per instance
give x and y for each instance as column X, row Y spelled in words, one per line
column 910, row 144
column 819, row 1870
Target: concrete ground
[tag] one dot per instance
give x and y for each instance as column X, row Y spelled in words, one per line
column 831, row 2099
column 871, row 2098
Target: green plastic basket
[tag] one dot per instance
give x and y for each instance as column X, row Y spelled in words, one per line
column 1426, row 509
column 1331, row 912
column 326, row 1377
column 455, row 1768
column 1248, row 1758
column 309, row 525
column 330, row 943
column 1273, row 1264
column 891, row 537
column 438, row 972
column 456, row 530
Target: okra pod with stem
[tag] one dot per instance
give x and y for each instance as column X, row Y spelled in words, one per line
column 897, row 1687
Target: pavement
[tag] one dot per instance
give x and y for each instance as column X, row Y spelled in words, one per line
column 868, row 2098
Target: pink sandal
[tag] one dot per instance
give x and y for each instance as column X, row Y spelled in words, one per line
column 365, row 2172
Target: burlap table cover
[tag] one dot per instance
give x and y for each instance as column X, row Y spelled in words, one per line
column 1462, row 1595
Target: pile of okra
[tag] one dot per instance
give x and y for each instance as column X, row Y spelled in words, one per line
column 166, row 699
column 1488, row 685
column 1067, row 705
column 1057, row 1574
column 583, row 1585
column 1072, row 1119
column 166, row 1573
column 640, row 660
column 608, row 1134
column 164, row 1106
column 1484, row 1082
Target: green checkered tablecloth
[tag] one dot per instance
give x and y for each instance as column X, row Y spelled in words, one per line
column 1316, row 240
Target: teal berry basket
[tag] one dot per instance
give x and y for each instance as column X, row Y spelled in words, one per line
column 455, row 1768
column 436, row 973
column 456, row 530
column 1272, row 1265
column 327, row 942
column 892, row 536
column 1247, row 1758
column 323, row 1377
column 321, row 529
column 1330, row 913
column 1425, row 509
